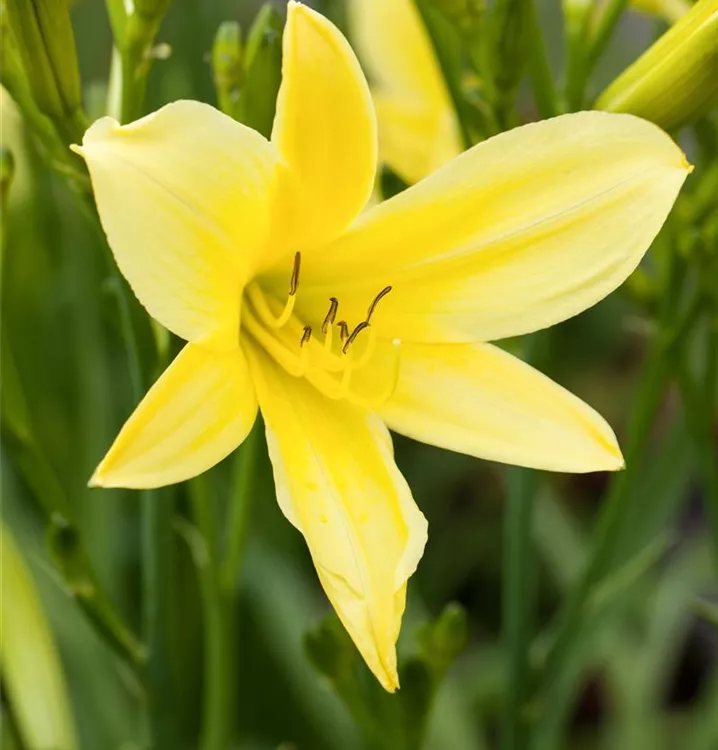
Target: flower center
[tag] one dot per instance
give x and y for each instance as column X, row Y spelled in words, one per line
column 330, row 360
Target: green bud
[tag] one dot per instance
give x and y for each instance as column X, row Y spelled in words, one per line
column 227, row 68
column 152, row 8
column 330, row 650
column 7, row 172
column 46, row 43
column 443, row 640
column 263, row 69
column 68, row 555
column 451, row 631
column 32, row 674
column 466, row 15
column 676, row 80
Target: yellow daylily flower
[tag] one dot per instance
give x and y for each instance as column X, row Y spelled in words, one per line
column 418, row 130
column 338, row 323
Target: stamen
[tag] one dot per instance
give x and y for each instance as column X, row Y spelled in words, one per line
column 306, row 335
column 376, row 301
column 255, row 294
column 343, row 330
column 367, row 402
column 364, row 324
column 329, row 319
column 294, row 281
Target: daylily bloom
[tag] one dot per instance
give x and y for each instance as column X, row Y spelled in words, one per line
column 418, row 130
column 339, row 323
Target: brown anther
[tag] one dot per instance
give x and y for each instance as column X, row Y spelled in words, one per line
column 294, row 281
column 329, row 320
column 354, row 334
column 376, row 301
column 306, row 335
column 343, row 330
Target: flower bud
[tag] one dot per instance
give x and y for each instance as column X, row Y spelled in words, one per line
column 227, row 69
column 466, row 15
column 676, row 80
column 263, row 69
column 46, row 44
column 152, row 8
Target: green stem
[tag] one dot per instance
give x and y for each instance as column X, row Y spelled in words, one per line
column 240, row 503
column 576, row 25
column 700, row 410
column 540, row 71
column 135, row 48
column 518, row 602
column 519, row 581
column 218, row 628
column 604, row 29
column 427, row 13
column 510, row 27
column 156, row 516
column 556, row 679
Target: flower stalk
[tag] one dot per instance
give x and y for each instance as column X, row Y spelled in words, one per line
column 46, row 44
column 555, row 678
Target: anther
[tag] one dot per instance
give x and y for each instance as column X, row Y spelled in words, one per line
column 376, row 301
column 343, row 330
column 294, row 281
column 331, row 315
column 364, row 324
column 306, row 335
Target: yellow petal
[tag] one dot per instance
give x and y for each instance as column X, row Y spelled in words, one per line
column 480, row 400
column 414, row 138
column 197, row 413
column 520, row 232
column 184, row 197
column 417, row 125
column 325, row 128
column 337, row 482
column 396, row 50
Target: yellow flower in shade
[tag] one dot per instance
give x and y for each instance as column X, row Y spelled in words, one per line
column 338, row 326
column 418, row 130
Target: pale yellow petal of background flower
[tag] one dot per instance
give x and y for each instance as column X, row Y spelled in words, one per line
column 417, row 125
column 395, row 49
column 198, row 412
column 184, row 196
column 480, row 400
column 325, row 128
column 414, row 138
column 520, row 232
column 337, row 482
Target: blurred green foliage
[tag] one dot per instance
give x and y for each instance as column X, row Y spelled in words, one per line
column 645, row 672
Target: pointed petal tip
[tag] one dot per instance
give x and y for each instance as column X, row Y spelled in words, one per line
column 96, row 481
column 76, row 148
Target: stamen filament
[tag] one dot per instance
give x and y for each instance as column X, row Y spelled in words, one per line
column 267, row 316
column 353, row 336
column 368, row 350
column 347, row 374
